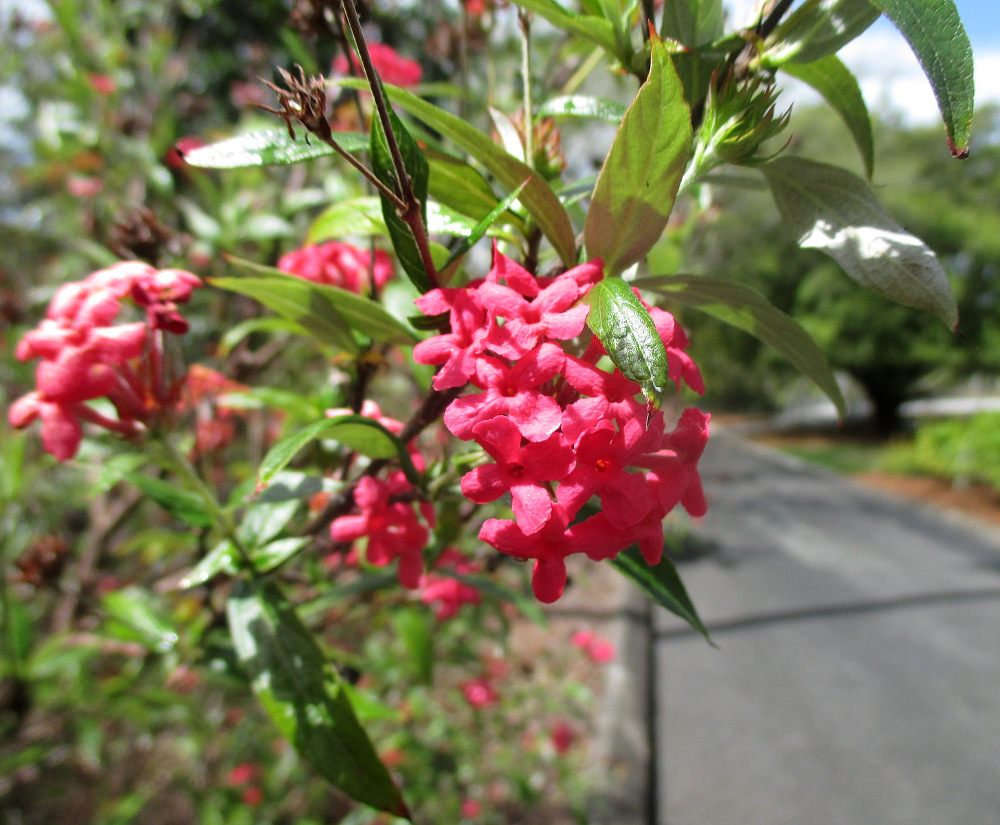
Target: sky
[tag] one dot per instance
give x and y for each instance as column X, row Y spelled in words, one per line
column 889, row 74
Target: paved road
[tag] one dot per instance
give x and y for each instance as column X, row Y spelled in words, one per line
column 857, row 680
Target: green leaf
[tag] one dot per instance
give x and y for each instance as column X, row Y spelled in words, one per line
column 183, row 505
column 323, row 306
column 692, row 22
column 480, row 229
column 354, row 217
column 270, row 148
column 223, row 558
column 662, row 584
column 582, row 106
column 939, row 40
column 817, row 29
column 840, row 88
column 591, row 27
column 305, row 697
column 135, row 614
column 629, row 335
column 538, row 198
column 269, row 325
column 748, row 310
column 359, row 433
column 277, row 553
column 415, row 164
column 458, row 186
column 264, row 521
column 830, row 209
column 636, row 187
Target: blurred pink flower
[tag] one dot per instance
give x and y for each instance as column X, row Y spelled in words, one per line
column 479, row 693
column 391, row 66
column 338, row 264
column 597, row 648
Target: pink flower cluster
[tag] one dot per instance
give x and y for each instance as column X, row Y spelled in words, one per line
column 598, row 649
column 395, row 526
column 338, row 264
column 391, row 66
column 85, row 355
column 447, row 593
column 559, row 428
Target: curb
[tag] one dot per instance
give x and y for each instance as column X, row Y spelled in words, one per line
column 623, row 759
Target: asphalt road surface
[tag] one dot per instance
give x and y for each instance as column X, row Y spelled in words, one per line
column 857, row 675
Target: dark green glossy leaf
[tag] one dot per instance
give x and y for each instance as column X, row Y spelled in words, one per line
column 264, row 521
column 185, row 506
column 748, row 310
column 840, row 88
column 415, row 164
column 305, row 697
column 582, row 106
column 359, row 433
column 276, row 553
column 325, row 306
column 636, row 187
column 939, row 40
column 829, row 209
column 629, row 335
column 662, row 584
column 817, row 29
column 537, row 197
column 271, row 148
column 457, row 185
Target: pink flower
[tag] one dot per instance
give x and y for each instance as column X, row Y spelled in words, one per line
column 479, row 693
column 243, row 774
column 391, row 67
column 448, row 593
column 459, row 350
column 252, row 796
column 562, row 736
column 597, row 648
column 513, row 391
column 84, row 355
column 338, row 264
column 391, row 527
column 470, row 809
column 520, row 471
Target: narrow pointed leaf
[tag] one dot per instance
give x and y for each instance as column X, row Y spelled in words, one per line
column 628, row 333
column 185, row 506
column 359, row 433
column 591, row 27
column 829, row 209
column 480, row 229
column 636, row 187
column 537, row 197
column 662, row 584
column 269, row 148
column 840, row 89
column 748, row 310
column 817, row 29
column 353, row 311
column 403, row 241
column 223, row 558
column 304, row 696
column 458, row 186
column 939, row 40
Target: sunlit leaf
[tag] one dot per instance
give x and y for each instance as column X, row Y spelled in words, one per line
column 692, row 22
column 591, row 27
column 636, row 187
column 582, row 106
column 748, row 310
column 269, row 148
column 818, row 29
column 305, row 697
column 828, row 208
column 629, row 335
